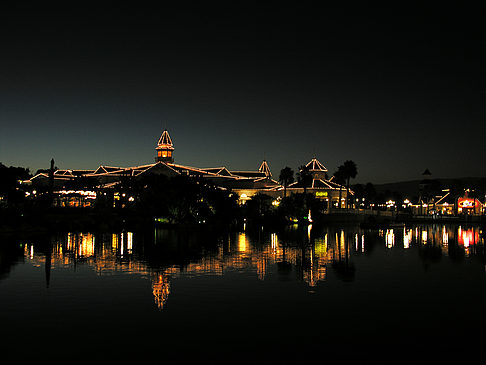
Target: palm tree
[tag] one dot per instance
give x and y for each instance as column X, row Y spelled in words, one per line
column 286, row 178
column 304, row 176
column 350, row 171
column 339, row 178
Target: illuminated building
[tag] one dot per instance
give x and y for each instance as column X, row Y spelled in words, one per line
column 448, row 204
column 328, row 190
column 165, row 148
column 245, row 183
column 445, row 204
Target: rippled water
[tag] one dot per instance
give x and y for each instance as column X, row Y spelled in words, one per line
column 343, row 294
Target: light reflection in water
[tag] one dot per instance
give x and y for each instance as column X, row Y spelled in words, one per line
column 390, row 238
column 160, row 289
column 445, row 236
column 468, row 238
column 274, row 242
column 114, row 253
column 320, row 246
column 242, row 243
column 424, row 237
column 129, row 242
column 407, row 238
column 114, row 242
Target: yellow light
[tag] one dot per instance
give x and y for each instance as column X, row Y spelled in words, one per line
column 274, row 241
column 407, row 238
column 129, row 241
column 114, row 242
column 320, row 247
column 390, row 238
column 424, row 236
column 445, row 235
column 86, row 246
column 242, row 243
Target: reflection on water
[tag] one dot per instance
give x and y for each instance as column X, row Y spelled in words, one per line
column 337, row 291
column 309, row 255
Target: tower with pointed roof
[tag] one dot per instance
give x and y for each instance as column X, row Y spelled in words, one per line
column 165, row 148
column 316, row 169
column 265, row 169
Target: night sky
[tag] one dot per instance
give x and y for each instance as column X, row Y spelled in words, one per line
column 395, row 89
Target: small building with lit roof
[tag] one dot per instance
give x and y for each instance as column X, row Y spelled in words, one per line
column 318, row 184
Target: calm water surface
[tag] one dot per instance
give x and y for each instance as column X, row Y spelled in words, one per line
column 319, row 295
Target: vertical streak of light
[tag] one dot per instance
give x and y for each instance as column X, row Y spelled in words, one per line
column 121, row 245
column 129, row 241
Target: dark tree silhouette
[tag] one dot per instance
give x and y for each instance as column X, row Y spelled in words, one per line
column 369, row 193
column 9, row 183
column 304, row 177
column 349, row 170
column 339, row 177
column 359, row 193
column 286, row 178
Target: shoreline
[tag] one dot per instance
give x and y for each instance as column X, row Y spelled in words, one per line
column 46, row 222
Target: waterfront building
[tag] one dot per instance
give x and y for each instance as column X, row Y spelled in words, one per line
column 317, row 183
column 445, row 204
column 450, row 204
column 66, row 184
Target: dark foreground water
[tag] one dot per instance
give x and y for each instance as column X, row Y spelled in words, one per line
column 334, row 294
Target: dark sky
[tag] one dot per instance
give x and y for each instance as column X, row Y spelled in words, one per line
column 395, row 89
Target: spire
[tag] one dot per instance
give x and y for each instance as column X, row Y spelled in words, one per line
column 165, row 148
column 316, row 169
column 315, row 165
column 165, row 141
column 265, row 169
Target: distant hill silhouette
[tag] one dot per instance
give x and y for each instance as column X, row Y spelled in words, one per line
column 411, row 188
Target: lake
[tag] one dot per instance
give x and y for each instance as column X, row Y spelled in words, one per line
column 311, row 294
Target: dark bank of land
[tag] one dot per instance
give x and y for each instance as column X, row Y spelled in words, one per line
column 34, row 222
column 411, row 188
